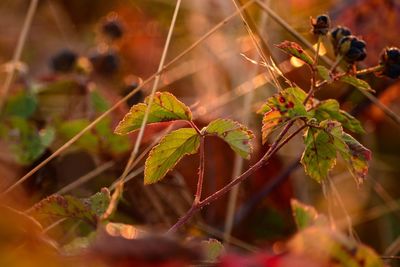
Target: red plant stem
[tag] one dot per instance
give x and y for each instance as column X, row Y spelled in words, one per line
column 264, row 160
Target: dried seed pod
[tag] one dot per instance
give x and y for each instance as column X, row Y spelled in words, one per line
column 64, row 61
column 352, row 49
column 390, row 60
column 320, row 25
column 338, row 33
column 112, row 29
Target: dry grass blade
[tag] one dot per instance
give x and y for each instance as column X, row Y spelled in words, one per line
column 18, row 51
column 123, row 100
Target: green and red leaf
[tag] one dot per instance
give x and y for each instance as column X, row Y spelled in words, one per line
column 56, row 206
column 294, row 49
column 282, row 107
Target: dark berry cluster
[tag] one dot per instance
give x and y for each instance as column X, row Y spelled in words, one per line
column 105, row 63
column 64, row 61
column 352, row 49
column 112, row 29
column 338, row 33
column 320, row 25
column 390, row 61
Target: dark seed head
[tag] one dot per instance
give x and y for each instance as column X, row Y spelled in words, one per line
column 320, row 25
column 63, row 61
column 390, row 60
column 352, row 49
column 106, row 63
column 136, row 98
column 338, row 33
column 112, row 29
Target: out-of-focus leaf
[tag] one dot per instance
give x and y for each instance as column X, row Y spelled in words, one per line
column 294, row 49
column 57, row 206
column 358, row 83
column 165, row 107
column 304, row 215
column 124, row 230
column 99, row 103
column 168, row 152
column 26, row 141
column 213, row 249
column 282, row 107
column 330, row 110
column 324, row 73
column 21, row 105
column 116, row 144
column 235, row 134
column 88, row 141
column 332, row 248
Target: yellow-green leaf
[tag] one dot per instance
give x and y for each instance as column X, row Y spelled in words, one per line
column 165, row 107
column 323, row 142
column 235, row 134
column 324, row 73
column 330, row 110
column 358, row 83
column 356, row 157
column 303, row 214
column 294, row 49
column 213, row 249
column 319, row 156
column 168, row 152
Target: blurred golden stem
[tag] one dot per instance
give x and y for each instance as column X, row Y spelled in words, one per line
column 123, row 100
column 18, row 51
column 238, row 163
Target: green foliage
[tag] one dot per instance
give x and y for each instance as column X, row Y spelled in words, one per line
column 21, row 105
column 235, row 134
column 168, row 152
column 28, row 143
column 281, row 108
column 56, row 206
column 303, row 215
column 322, row 144
column 213, row 249
column 165, row 107
column 330, row 110
column 358, row 83
column 324, row 73
column 319, row 156
column 294, row 49
column 69, row 129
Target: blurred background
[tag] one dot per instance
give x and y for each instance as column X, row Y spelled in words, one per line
column 81, row 57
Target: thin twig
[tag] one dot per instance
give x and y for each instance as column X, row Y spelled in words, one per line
column 88, row 176
column 18, row 51
column 216, row 195
column 123, row 100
